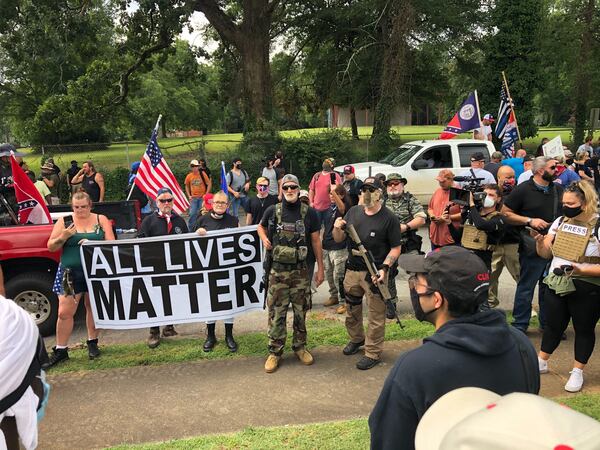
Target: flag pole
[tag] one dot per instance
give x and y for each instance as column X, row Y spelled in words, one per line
column 512, row 109
column 155, row 129
column 478, row 113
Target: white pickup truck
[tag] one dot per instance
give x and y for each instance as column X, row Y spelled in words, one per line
column 420, row 162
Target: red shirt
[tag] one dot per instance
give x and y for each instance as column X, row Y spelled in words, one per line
column 320, row 185
column 439, row 233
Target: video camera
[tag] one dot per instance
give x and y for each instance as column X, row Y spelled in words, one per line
column 473, row 185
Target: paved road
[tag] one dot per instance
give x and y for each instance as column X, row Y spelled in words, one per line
column 144, row 404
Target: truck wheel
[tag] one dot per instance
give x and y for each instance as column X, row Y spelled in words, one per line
column 32, row 291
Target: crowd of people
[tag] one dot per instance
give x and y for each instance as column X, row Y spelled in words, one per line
column 538, row 217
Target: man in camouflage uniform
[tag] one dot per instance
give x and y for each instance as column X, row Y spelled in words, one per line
column 411, row 215
column 290, row 231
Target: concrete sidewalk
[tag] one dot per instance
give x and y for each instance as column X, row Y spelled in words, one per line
column 144, row 404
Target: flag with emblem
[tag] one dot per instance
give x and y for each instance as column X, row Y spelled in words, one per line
column 506, row 128
column 32, row 207
column 154, row 173
column 466, row 119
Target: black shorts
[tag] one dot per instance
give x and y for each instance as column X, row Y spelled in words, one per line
column 79, row 284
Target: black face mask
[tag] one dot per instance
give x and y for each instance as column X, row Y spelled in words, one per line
column 507, row 187
column 420, row 315
column 549, row 177
column 571, row 212
column 569, row 161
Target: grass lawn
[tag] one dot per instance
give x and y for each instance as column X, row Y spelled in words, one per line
column 321, row 332
column 343, row 435
column 177, row 149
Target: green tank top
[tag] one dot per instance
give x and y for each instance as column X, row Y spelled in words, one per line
column 70, row 256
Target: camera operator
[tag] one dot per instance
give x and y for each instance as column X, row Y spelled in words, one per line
column 477, row 170
column 574, row 280
column 482, row 223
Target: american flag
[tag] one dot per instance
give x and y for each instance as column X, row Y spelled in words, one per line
column 506, row 128
column 154, row 173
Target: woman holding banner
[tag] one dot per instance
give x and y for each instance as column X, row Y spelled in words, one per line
column 68, row 234
column 218, row 219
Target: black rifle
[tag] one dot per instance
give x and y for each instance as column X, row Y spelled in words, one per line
column 367, row 257
column 264, row 284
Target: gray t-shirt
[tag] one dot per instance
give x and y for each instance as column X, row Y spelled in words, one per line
column 237, row 182
column 271, row 174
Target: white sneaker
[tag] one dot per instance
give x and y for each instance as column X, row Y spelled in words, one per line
column 575, row 381
column 543, row 365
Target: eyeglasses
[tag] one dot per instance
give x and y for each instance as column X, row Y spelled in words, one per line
column 371, row 189
column 165, row 200
column 413, row 282
column 393, row 183
column 290, row 187
column 219, row 203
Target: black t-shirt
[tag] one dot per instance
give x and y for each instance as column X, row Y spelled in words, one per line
column 378, row 233
column 583, row 167
column 209, row 223
column 154, row 225
column 91, row 187
column 592, row 164
column 492, row 168
column 530, row 200
column 257, row 207
column 290, row 212
column 328, row 242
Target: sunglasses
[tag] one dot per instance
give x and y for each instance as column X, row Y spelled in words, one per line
column 166, row 200
column 368, row 188
column 290, row 187
column 219, row 203
column 393, row 183
column 552, row 168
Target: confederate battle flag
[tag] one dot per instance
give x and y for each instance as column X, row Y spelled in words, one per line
column 32, row 208
column 466, row 119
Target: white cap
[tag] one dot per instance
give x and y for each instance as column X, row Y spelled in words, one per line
column 303, row 193
column 474, row 418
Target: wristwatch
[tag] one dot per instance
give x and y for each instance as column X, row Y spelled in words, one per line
column 385, row 267
column 529, row 219
column 408, row 228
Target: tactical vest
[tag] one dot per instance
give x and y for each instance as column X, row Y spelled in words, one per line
column 572, row 238
column 475, row 239
column 289, row 239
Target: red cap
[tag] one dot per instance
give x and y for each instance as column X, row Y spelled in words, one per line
column 208, row 201
column 348, row 169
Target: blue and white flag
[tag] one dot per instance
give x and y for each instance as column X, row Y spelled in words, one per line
column 223, row 178
column 466, row 119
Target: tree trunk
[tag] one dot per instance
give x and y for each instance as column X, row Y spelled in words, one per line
column 251, row 38
column 583, row 73
column 256, row 77
column 395, row 30
column 353, row 124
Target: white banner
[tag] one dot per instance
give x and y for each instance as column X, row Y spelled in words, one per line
column 553, row 148
column 139, row 283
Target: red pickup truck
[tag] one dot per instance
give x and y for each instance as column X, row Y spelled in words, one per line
column 29, row 268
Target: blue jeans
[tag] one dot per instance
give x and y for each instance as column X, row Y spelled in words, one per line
column 195, row 206
column 532, row 272
column 322, row 216
column 234, row 207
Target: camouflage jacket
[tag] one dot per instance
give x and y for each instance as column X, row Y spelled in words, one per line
column 406, row 207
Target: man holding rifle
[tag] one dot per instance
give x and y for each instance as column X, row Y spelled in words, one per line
column 377, row 229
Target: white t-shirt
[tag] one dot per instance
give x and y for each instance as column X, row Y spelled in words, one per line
column 486, row 130
column 488, row 178
column 592, row 249
column 525, row 176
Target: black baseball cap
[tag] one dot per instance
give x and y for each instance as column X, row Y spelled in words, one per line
column 374, row 182
column 452, row 270
column 478, row 156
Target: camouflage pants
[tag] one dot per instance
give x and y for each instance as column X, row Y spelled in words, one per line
column 335, row 266
column 285, row 288
column 402, row 275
